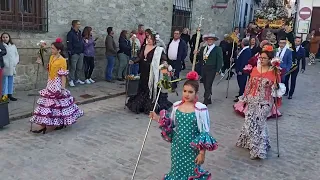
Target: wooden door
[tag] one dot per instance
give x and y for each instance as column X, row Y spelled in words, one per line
column 315, row 20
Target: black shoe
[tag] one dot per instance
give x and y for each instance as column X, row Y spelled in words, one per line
column 286, row 94
column 12, row 98
column 290, row 97
column 237, row 96
column 236, row 100
column 120, row 79
column 110, row 81
column 43, row 130
column 59, row 128
column 207, row 102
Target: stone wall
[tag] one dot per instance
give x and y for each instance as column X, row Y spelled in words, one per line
column 124, row 14
column 217, row 21
column 120, row 14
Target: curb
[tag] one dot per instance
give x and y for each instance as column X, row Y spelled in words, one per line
column 91, row 100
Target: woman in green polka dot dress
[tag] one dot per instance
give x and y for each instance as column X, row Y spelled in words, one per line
column 188, row 131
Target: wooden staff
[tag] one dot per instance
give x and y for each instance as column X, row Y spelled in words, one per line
column 229, row 73
column 145, row 136
column 41, row 54
column 197, row 43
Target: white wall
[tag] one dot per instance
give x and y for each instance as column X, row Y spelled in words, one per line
column 316, row 3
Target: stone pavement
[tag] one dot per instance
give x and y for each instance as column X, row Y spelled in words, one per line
column 83, row 94
column 105, row 143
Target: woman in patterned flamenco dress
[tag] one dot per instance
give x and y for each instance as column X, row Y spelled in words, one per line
column 150, row 58
column 187, row 128
column 259, row 98
column 240, row 107
column 56, row 105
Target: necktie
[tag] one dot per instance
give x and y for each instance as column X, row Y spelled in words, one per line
column 280, row 52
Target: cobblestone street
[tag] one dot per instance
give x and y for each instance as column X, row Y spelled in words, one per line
column 105, row 143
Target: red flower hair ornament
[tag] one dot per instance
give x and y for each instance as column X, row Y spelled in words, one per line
column 268, row 48
column 58, row 40
column 193, row 75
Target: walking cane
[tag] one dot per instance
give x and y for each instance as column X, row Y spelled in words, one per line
column 229, row 73
column 34, row 99
column 127, row 84
column 277, row 127
column 145, row 136
column 277, row 118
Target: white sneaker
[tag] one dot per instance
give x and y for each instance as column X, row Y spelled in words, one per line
column 71, row 84
column 80, row 82
column 309, row 64
column 91, row 80
column 222, row 74
column 87, row 81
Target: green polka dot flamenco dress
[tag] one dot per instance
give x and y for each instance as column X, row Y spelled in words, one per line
column 186, row 142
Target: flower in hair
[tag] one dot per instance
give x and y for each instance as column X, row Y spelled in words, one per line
column 268, row 48
column 58, row 40
column 193, row 75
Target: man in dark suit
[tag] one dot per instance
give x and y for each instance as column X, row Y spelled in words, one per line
column 177, row 52
column 300, row 56
column 241, row 61
column 212, row 59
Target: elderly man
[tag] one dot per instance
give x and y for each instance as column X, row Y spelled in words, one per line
column 241, row 61
column 212, row 59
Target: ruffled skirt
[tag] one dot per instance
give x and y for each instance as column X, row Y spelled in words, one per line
column 142, row 103
column 254, row 134
column 241, row 108
column 56, row 109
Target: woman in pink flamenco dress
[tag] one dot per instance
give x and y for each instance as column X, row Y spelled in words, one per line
column 56, row 107
column 241, row 107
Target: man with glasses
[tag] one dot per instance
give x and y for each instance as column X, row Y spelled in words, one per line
column 177, row 52
column 75, row 46
column 285, row 55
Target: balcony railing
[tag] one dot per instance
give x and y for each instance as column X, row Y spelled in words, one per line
column 24, row 15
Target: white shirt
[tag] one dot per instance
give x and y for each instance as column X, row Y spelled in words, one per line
column 173, row 49
column 297, row 48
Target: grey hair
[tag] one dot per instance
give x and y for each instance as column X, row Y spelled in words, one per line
column 245, row 42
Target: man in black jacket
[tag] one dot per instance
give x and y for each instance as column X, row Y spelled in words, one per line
column 177, row 52
column 75, row 50
column 3, row 52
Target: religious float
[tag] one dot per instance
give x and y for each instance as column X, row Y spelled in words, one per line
column 276, row 13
